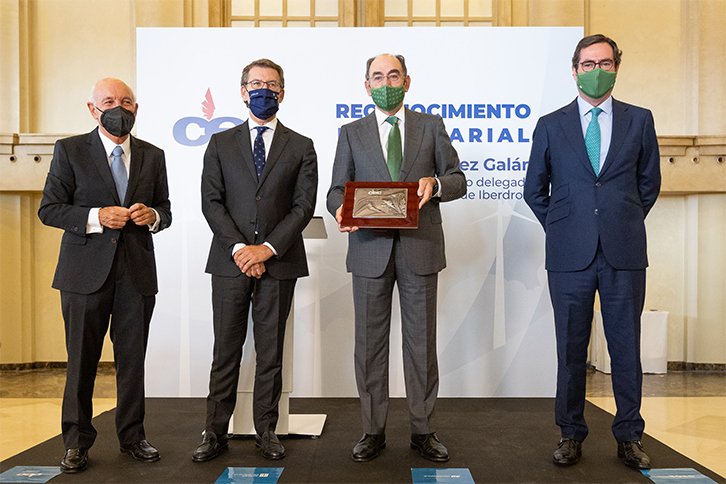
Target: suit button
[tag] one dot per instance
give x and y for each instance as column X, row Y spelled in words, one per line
column 113, row 241
column 596, row 211
column 258, row 198
column 597, row 184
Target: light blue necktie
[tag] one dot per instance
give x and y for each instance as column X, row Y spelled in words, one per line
column 119, row 173
column 592, row 140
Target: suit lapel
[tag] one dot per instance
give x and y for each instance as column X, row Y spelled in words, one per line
column 245, row 147
column 97, row 154
column 573, row 130
column 279, row 140
column 621, row 125
column 137, row 161
column 414, row 135
column 371, row 141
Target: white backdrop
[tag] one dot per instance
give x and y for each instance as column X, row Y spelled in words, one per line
column 495, row 332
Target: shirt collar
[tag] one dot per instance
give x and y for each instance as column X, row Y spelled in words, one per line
column 109, row 145
column 585, row 107
column 381, row 116
column 272, row 125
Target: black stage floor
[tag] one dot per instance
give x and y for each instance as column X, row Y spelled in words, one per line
column 507, row 440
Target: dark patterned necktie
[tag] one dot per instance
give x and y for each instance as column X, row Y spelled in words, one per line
column 259, row 151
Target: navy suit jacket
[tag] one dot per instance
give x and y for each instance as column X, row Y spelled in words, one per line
column 79, row 179
column 279, row 206
column 428, row 152
column 577, row 208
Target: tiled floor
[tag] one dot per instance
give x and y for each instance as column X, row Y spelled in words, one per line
column 686, row 411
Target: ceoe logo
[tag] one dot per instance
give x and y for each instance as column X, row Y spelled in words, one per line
column 204, row 128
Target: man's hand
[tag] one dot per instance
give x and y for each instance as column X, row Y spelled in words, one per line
column 256, row 270
column 251, row 255
column 339, row 219
column 141, row 214
column 425, row 190
column 114, row 217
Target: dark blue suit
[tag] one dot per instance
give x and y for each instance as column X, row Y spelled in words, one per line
column 595, row 241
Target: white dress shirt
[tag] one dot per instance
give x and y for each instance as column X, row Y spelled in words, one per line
column 267, row 136
column 93, row 225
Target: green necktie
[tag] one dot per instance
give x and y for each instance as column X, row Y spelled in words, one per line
column 394, row 148
column 592, row 140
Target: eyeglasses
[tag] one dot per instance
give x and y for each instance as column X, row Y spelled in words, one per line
column 378, row 79
column 605, row 65
column 257, row 84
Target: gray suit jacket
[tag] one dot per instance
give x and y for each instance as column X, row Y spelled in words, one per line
column 279, row 205
column 427, row 153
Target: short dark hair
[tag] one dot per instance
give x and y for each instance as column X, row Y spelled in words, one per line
column 592, row 40
column 400, row 58
column 262, row 63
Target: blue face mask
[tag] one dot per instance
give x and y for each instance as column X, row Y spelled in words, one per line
column 264, row 103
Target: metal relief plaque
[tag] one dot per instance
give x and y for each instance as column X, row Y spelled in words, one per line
column 381, row 204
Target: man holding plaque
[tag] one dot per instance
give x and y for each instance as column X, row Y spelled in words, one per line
column 394, row 145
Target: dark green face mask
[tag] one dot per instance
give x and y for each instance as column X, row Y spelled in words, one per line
column 388, row 98
column 596, row 83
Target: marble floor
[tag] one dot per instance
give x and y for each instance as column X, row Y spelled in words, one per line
column 684, row 410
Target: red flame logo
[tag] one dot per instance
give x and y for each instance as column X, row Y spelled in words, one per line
column 208, row 105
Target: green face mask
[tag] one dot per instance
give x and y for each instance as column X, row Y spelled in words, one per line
column 388, row 98
column 596, row 83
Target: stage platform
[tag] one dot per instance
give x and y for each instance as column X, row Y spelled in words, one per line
column 504, row 440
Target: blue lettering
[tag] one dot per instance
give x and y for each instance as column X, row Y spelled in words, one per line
column 480, row 111
column 475, row 135
column 456, row 135
column 521, row 137
column 432, row 107
column 208, row 128
column 456, row 113
column 355, row 110
column 522, row 111
column 369, row 109
column 494, row 111
column 341, row 110
column 505, row 136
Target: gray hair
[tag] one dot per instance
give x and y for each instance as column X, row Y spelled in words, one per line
column 400, row 58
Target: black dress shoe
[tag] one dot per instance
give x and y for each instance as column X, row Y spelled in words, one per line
column 632, row 455
column 141, row 450
column 369, row 446
column 270, row 446
column 75, row 460
column 568, row 452
column 430, row 447
column 210, row 447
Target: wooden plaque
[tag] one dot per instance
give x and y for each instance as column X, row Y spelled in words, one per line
column 381, row 205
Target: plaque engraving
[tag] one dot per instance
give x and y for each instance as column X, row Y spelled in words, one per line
column 381, row 205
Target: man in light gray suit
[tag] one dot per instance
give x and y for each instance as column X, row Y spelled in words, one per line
column 396, row 144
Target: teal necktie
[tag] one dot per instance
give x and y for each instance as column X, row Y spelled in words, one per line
column 395, row 154
column 592, row 140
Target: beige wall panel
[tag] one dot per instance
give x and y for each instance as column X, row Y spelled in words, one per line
column 159, row 13
column 666, row 272
column 9, row 67
column 11, row 313
column 73, row 48
column 710, row 334
column 649, row 34
column 712, row 68
column 559, row 13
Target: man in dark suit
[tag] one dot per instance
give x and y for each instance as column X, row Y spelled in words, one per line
column 259, row 185
column 593, row 176
column 108, row 191
column 396, row 144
